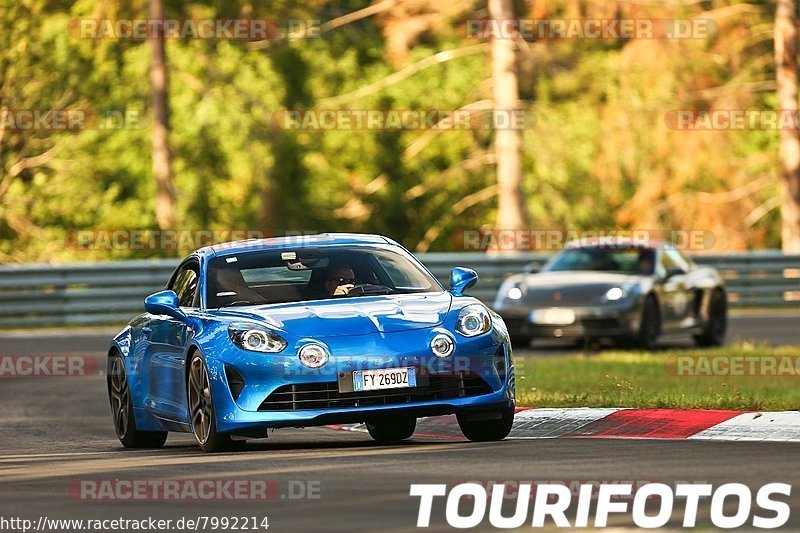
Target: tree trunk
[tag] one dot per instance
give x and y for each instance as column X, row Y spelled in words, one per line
column 162, row 159
column 511, row 212
column 786, row 75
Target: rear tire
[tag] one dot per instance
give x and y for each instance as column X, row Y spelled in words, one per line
column 201, row 411
column 650, row 325
column 119, row 394
column 486, row 430
column 391, row 428
column 717, row 325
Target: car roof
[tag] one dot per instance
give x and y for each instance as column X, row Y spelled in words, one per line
column 292, row 241
column 637, row 243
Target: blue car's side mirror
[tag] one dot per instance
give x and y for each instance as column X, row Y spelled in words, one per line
column 462, row 279
column 164, row 303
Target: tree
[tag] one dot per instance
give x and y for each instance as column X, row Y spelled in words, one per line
column 162, row 159
column 511, row 209
column 786, row 75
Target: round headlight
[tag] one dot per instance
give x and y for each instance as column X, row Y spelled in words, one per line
column 313, row 355
column 254, row 340
column 514, row 293
column 442, row 345
column 252, row 337
column 473, row 320
column 614, row 294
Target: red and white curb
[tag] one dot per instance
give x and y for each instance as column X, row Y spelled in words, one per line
column 623, row 423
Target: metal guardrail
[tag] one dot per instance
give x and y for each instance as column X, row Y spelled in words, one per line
column 111, row 293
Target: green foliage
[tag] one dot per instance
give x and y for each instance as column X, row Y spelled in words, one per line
column 599, row 155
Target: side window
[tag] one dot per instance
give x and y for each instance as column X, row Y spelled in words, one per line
column 185, row 285
column 676, row 260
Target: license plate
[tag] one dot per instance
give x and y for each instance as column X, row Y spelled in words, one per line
column 384, row 378
column 553, row 317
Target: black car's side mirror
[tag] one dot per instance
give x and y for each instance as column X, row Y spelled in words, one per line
column 674, row 271
column 164, row 303
column 462, row 279
column 533, row 267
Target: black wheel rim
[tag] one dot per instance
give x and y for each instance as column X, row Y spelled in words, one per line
column 200, row 400
column 120, row 398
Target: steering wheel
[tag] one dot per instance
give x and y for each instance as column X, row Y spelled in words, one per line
column 364, row 289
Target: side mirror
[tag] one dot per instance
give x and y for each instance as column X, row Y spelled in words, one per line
column 674, row 271
column 164, row 303
column 532, row 267
column 462, row 279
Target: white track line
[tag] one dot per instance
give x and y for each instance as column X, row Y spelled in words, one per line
column 782, row 426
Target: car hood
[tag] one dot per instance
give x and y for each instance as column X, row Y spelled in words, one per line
column 573, row 288
column 350, row 316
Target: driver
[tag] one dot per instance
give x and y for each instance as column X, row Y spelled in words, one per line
column 340, row 280
column 645, row 263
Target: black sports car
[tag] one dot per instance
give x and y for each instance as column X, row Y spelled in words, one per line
column 618, row 289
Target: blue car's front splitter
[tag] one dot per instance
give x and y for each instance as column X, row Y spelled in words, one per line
column 243, row 420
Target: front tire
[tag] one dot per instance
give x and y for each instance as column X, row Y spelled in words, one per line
column 483, row 430
column 119, row 394
column 391, row 428
column 201, row 410
column 717, row 325
column 650, row 325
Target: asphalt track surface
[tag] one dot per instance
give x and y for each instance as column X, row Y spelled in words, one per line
column 56, row 431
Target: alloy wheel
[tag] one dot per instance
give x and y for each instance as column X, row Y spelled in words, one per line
column 200, row 399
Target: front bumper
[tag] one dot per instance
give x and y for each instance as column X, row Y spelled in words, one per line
column 278, row 391
column 618, row 320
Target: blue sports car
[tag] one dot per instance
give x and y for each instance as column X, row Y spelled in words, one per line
column 305, row 331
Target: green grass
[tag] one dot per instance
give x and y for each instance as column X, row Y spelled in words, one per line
column 639, row 379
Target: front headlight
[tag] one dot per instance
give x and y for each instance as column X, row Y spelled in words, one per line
column 255, row 338
column 473, row 320
column 615, row 294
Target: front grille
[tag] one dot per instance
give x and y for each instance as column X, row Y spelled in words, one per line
column 601, row 323
column 515, row 324
column 326, row 395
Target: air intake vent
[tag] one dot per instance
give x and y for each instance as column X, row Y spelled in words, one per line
column 326, row 395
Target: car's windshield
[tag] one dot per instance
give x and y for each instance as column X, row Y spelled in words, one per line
column 281, row 276
column 635, row 261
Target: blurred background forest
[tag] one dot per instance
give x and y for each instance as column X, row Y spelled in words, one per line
column 600, row 154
